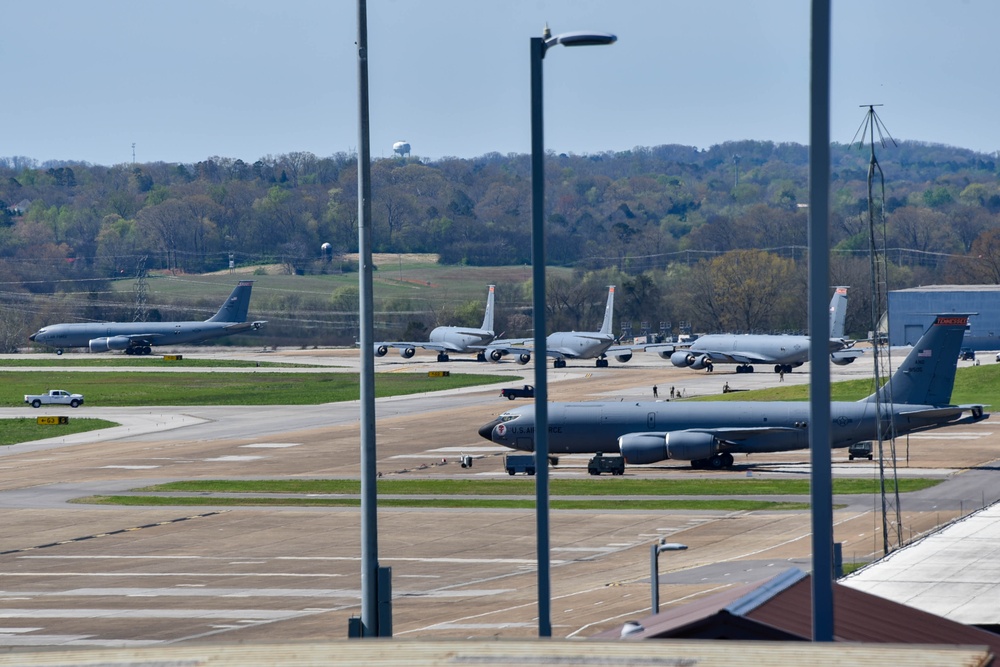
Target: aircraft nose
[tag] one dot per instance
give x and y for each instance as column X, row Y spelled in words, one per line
column 486, row 430
column 32, row 337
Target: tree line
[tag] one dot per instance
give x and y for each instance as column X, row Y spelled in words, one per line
column 674, row 225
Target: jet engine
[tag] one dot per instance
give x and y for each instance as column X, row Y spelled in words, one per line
column 690, row 360
column 523, row 358
column 844, row 357
column 690, row 445
column 380, row 350
column 111, row 343
column 638, row 448
column 623, row 358
column 407, row 352
column 496, row 355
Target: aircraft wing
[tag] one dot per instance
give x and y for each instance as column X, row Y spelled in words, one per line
column 402, row 345
column 738, row 357
column 245, row 326
column 740, row 435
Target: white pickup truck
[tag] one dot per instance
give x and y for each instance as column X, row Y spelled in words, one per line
column 54, row 397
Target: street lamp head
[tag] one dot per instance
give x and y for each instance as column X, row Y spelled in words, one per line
column 576, row 38
column 582, row 38
column 671, row 546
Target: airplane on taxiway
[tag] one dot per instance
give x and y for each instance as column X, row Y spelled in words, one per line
column 916, row 398
column 784, row 351
column 450, row 340
column 139, row 337
column 563, row 345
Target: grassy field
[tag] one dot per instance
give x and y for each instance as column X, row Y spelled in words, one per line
column 151, row 362
column 156, row 389
column 418, row 278
column 728, row 504
column 26, row 430
column 585, row 494
column 604, row 486
column 581, row 494
column 973, row 384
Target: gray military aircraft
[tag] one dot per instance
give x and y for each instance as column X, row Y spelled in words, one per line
column 563, row 345
column 917, row 398
column 455, row 340
column 139, row 337
column 784, row 351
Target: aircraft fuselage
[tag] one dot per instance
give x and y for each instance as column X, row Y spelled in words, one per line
column 589, row 428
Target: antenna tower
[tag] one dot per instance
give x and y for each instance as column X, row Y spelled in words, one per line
column 892, row 526
column 141, row 290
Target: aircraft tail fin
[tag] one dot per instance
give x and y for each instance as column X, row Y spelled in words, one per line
column 609, row 311
column 488, row 317
column 927, row 375
column 236, row 306
column 838, row 312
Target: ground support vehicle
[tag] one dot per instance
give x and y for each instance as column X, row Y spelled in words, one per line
column 54, row 397
column 612, row 464
column 515, row 463
column 527, row 391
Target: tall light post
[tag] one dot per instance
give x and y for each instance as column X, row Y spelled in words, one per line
column 654, row 569
column 539, row 45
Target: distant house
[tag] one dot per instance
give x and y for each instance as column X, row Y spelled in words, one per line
column 20, row 208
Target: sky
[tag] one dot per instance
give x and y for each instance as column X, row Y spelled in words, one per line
column 184, row 80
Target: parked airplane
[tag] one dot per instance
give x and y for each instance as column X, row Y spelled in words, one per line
column 139, row 337
column 563, row 345
column 785, row 352
column 917, row 397
column 444, row 340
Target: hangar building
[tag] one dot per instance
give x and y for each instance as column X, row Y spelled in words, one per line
column 911, row 312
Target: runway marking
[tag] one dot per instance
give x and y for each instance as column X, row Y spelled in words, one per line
column 479, row 626
column 473, row 449
column 128, row 467
column 255, row 614
column 112, row 532
column 272, row 445
column 232, row 459
column 352, row 559
column 288, row 575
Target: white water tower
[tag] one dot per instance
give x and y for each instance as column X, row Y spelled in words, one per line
column 401, row 148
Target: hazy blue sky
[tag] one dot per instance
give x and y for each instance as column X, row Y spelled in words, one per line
column 189, row 79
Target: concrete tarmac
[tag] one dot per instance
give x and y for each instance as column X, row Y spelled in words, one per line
column 75, row 574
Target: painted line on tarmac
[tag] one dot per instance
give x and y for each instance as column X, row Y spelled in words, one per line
column 111, row 532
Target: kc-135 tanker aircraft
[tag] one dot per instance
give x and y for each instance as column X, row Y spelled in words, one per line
column 454, row 340
column 563, row 345
column 783, row 351
column 139, row 337
column 916, row 398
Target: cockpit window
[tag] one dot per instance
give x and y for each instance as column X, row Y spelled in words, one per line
column 506, row 417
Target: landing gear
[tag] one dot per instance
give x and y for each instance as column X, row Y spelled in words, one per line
column 720, row 461
column 559, row 363
column 602, row 363
column 480, row 356
column 138, row 349
column 442, row 356
column 745, row 368
column 782, row 368
column 59, row 351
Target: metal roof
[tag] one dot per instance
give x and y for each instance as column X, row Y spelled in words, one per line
column 950, row 288
column 954, row 573
column 781, row 608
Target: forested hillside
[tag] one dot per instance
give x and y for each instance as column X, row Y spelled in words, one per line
column 715, row 238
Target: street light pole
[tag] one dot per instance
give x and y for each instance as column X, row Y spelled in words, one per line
column 539, row 45
column 654, row 569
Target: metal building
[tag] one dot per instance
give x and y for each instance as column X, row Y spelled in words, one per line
column 911, row 312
